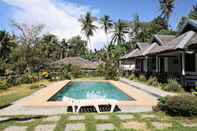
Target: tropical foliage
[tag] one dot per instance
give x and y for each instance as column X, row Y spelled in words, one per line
column 166, row 7
column 88, row 26
column 182, row 105
column 31, row 51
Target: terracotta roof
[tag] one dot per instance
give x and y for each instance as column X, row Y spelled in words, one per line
column 83, row 63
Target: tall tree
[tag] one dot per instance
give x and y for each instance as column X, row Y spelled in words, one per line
column 134, row 29
column 88, row 27
column 166, row 7
column 119, row 32
column 106, row 24
column 193, row 13
column 7, row 42
column 29, row 36
column 77, row 46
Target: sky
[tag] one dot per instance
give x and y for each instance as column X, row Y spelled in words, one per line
column 60, row 17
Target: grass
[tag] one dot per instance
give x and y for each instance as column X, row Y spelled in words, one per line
column 90, row 122
column 14, row 93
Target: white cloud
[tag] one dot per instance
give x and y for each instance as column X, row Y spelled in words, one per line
column 60, row 18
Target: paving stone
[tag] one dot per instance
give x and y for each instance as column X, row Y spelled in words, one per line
column 101, row 117
column 16, row 128
column 76, row 126
column 76, row 117
column 160, row 125
column 148, row 116
column 135, row 125
column 4, row 118
column 45, row 127
column 52, row 118
column 103, row 127
column 189, row 124
column 125, row 116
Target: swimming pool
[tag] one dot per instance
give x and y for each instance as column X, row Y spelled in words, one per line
column 90, row 90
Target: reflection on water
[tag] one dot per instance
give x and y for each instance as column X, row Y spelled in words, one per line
column 95, row 95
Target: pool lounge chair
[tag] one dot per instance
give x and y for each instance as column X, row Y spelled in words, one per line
column 93, row 102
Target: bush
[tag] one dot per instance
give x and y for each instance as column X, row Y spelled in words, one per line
column 75, row 71
column 132, row 77
column 173, row 86
column 111, row 71
column 29, row 78
column 153, row 81
column 183, row 105
column 65, row 72
column 142, row 78
column 69, row 71
column 3, row 85
column 34, row 86
column 100, row 70
column 45, row 74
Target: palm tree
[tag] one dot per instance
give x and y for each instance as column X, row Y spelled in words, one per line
column 119, row 32
column 88, row 27
column 193, row 13
column 106, row 24
column 166, row 7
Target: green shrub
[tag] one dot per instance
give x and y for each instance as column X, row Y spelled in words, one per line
column 100, row 70
column 132, row 77
column 173, row 86
column 65, row 72
column 69, row 71
column 153, row 81
column 34, row 86
column 194, row 93
column 183, row 105
column 75, row 71
column 29, row 78
column 142, row 78
column 111, row 72
column 45, row 74
column 13, row 80
column 3, row 85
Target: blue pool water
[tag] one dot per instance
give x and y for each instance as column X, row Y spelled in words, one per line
column 90, row 90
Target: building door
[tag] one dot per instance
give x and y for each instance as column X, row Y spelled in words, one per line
column 142, row 65
column 190, row 62
column 162, row 65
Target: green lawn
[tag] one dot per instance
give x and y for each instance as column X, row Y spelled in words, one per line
column 90, row 122
column 14, row 93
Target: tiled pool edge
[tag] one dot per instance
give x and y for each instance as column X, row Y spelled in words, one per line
column 41, row 99
column 30, row 106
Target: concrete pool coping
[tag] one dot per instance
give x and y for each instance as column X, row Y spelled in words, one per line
column 40, row 99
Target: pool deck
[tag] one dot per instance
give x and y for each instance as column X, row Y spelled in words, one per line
column 38, row 104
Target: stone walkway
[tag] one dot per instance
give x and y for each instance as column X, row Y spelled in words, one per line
column 102, row 122
column 149, row 89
